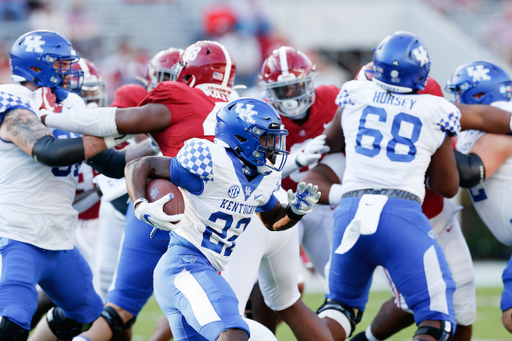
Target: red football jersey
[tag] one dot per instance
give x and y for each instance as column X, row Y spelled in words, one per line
column 85, row 176
column 320, row 114
column 193, row 113
column 433, row 203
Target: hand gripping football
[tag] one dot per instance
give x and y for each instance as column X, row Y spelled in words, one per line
column 158, row 188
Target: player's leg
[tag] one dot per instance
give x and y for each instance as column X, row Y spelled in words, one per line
column 110, row 232
column 242, row 271
column 317, row 237
column 348, row 276
column 278, row 282
column 22, row 266
column 393, row 317
column 419, row 269
column 191, row 293
column 452, row 242
column 133, row 281
column 69, row 284
column 506, row 297
column 44, row 303
column 162, row 330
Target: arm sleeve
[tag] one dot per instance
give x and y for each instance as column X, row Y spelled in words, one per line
column 183, row 178
column 110, row 163
column 54, row 152
column 471, row 169
column 271, row 203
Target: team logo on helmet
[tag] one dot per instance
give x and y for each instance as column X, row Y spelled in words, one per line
column 246, row 114
column 478, row 73
column 421, row 55
column 233, row 191
column 34, row 43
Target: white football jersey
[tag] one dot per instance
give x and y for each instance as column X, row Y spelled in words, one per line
column 391, row 137
column 36, row 200
column 493, row 197
column 216, row 217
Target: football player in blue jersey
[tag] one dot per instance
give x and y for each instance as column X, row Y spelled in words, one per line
column 394, row 140
column 223, row 183
column 488, row 158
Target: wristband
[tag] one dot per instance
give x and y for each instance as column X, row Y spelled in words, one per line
column 139, row 200
column 510, row 124
column 335, row 195
column 292, row 215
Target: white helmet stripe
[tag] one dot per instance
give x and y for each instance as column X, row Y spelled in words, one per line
column 227, row 72
column 283, row 60
column 83, row 66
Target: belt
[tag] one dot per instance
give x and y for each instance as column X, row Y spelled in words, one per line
column 390, row 193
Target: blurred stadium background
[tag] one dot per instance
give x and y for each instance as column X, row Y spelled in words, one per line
column 120, row 36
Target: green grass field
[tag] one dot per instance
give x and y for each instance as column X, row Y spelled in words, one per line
column 487, row 327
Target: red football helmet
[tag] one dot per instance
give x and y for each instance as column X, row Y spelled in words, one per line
column 287, row 77
column 94, row 89
column 159, row 68
column 205, row 62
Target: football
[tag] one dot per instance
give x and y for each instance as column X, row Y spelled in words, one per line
column 157, row 188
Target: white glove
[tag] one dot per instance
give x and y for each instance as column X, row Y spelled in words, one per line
column 303, row 200
column 153, row 214
column 45, row 100
column 116, row 140
column 313, row 151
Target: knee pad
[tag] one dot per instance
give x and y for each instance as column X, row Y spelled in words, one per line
column 10, row 331
column 442, row 334
column 115, row 321
column 341, row 313
column 63, row 327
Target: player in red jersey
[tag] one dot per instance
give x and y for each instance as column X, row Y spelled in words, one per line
column 441, row 213
column 287, row 76
column 288, row 79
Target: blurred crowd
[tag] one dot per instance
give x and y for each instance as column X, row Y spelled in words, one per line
column 491, row 21
column 242, row 26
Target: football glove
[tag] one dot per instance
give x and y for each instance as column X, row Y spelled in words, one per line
column 153, row 214
column 116, row 140
column 313, row 151
column 303, row 200
column 44, row 100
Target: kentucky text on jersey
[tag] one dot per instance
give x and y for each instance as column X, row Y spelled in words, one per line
column 234, row 206
column 383, row 97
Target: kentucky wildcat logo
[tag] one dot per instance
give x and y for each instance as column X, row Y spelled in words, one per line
column 246, row 113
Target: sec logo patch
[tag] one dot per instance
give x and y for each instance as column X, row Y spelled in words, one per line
column 233, row 191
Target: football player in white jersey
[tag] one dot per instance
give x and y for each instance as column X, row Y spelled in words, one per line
column 223, row 183
column 394, row 138
column 38, row 172
column 489, row 157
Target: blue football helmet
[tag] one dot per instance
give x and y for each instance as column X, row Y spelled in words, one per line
column 41, row 50
column 252, row 128
column 488, row 82
column 401, row 63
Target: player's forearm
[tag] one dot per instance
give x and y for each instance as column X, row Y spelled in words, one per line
column 484, row 118
column 141, row 149
column 334, row 134
column 323, row 177
column 136, row 174
column 96, row 122
column 93, row 145
column 277, row 219
column 138, row 171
